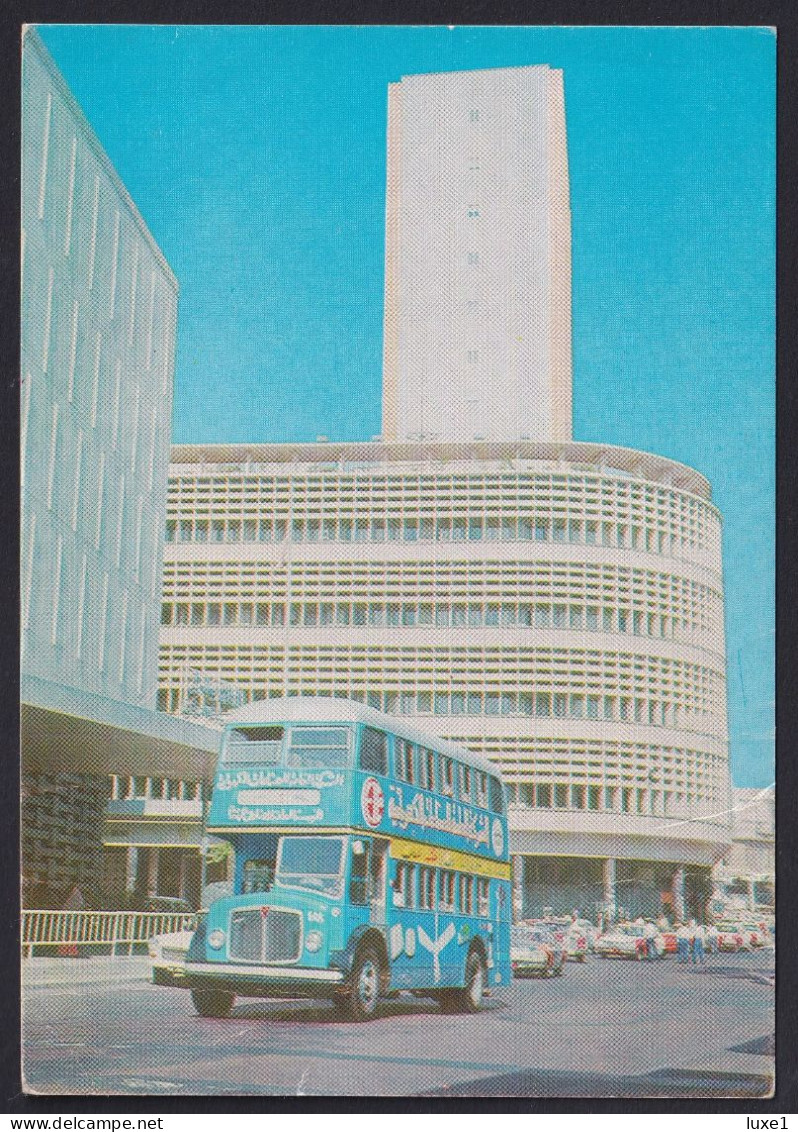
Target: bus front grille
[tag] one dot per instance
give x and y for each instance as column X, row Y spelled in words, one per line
column 265, row 935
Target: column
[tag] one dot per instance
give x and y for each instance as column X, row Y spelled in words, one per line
column 677, row 886
column 131, row 868
column 152, row 872
column 518, row 888
column 610, row 897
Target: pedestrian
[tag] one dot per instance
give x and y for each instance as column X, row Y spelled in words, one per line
column 698, row 945
column 683, row 943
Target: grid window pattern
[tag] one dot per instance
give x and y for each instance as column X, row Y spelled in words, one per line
column 581, row 774
column 476, row 506
column 594, row 679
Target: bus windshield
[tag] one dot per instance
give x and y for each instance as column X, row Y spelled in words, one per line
column 319, row 746
column 315, row 863
column 253, row 745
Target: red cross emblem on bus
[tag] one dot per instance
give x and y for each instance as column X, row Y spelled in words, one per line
column 372, row 802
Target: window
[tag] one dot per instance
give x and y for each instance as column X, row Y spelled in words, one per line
column 458, row 703
column 441, row 703
column 543, row 705
column 373, row 751
column 466, row 894
column 482, row 789
column 319, row 746
column 465, row 783
column 447, row 776
column 427, row 768
column 448, row 891
column 496, row 796
column 483, row 896
column 404, row 760
column 257, row 876
column 359, row 872
column 541, row 530
column 543, row 796
column 426, row 889
column 403, row 885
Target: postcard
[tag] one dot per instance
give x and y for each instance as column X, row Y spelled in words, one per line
column 397, row 561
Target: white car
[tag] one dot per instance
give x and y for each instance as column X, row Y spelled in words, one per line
column 168, row 954
column 628, row 941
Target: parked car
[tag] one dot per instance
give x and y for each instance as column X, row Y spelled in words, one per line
column 569, row 935
column 730, row 938
column 628, row 941
column 534, row 951
column 168, row 954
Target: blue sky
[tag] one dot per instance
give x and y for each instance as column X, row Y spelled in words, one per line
column 257, row 158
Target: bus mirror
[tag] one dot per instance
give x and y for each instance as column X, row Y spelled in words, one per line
column 358, row 848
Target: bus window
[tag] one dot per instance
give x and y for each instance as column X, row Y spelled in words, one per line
column 404, row 760
column 447, row 897
column 403, row 885
column 359, row 872
column 466, row 894
column 426, row 889
column 496, row 795
column 427, row 768
column 373, row 751
column 483, row 894
column 257, row 744
column 319, row 746
column 465, row 783
column 447, row 776
column 482, row 789
column 258, row 876
column 315, row 863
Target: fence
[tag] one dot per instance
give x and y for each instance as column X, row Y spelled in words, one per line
column 66, row 933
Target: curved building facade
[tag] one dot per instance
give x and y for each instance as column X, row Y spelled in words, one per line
column 557, row 607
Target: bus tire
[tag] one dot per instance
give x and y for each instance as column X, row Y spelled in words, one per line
column 360, row 1003
column 213, row 1003
column 468, row 999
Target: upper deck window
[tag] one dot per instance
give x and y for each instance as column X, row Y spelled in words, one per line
column 319, row 746
column 405, row 757
column 373, row 751
column 495, row 796
column 256, row 744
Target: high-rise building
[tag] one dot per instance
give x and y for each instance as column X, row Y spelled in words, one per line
column 99, row 308
column 478, row 258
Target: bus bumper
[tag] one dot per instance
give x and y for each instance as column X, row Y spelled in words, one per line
column 264, row 981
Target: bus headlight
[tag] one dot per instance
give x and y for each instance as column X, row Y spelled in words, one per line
column 313, row 941
column 216, row 939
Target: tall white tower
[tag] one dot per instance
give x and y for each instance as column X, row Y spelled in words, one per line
column 478, row 258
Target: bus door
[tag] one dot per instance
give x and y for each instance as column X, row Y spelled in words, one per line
column 367, row 876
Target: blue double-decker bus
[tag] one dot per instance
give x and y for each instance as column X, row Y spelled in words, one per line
column 370, row 858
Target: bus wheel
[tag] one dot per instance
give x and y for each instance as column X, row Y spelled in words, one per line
column 213, row 1003
column 364, row 990
column 468, row 999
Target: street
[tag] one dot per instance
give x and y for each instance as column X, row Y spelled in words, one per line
column 606, row 1028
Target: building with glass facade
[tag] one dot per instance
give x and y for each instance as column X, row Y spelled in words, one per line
column 99, row 308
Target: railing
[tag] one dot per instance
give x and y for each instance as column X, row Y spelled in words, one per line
column 114, row 933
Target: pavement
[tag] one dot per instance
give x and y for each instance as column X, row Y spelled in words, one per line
column 606, row 1028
